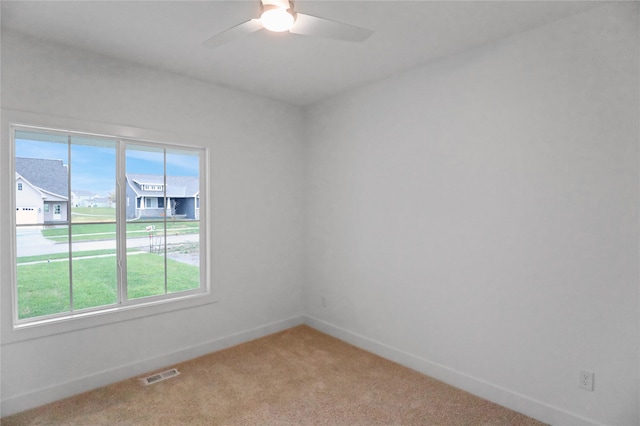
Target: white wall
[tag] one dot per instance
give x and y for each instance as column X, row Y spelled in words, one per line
column 477, row 218
column 256, row 159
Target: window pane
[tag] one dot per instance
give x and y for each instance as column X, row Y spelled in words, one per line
column 183, row 183
column 144, row 168
column 42, row 171
column 42, row 271
column 94, row 265
column 145, row 183
column 145, row 259
column 183, row 247
column 93, row 177
column 183, row 263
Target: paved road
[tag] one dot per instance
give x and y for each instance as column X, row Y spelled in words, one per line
column 30, row 242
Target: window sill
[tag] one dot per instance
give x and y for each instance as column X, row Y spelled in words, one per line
column 67, row 324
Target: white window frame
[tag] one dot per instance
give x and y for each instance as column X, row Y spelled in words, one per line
column 15, row 331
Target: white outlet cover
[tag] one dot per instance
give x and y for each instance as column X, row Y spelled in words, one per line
column 586, row 380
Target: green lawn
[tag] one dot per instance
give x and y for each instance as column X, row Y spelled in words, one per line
column 43, row 288
column 107, row 231
column 93, row 214
column 55, row 256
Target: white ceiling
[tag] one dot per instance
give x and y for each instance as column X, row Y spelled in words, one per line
column 296, row 69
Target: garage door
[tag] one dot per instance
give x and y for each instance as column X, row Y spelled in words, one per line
column 26, row 215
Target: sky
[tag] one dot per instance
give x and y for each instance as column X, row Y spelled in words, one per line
column 93, row 161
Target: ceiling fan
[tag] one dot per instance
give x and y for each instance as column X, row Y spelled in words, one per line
column 280, row 16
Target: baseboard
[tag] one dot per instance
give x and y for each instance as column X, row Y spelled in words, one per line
column 46, row 395
column 521, row 403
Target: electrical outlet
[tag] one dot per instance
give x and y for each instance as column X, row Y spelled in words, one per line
column 323, row 301
column 586, row 380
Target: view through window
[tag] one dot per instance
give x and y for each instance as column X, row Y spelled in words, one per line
column 79, row 248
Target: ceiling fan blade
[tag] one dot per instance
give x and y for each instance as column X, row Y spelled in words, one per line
column 320, row 27
column 234, row 33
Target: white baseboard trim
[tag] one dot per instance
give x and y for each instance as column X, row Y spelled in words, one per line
column 521, row 403
column 49, row 394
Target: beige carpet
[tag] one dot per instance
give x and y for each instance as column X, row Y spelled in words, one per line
column 296, row 377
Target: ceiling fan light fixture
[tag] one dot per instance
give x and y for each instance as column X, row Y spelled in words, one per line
column 277, row 19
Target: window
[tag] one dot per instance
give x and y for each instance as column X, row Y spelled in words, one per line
column 105, row 258
column 152, row 187
column 19, row 186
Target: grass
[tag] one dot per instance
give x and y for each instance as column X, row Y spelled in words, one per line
column 107, row 231
column 43, row 280
column 93, row 214
column 145, row 276
column 43, row 288
column 56, row 256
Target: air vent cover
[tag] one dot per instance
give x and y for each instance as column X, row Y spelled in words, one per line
column 158, row 377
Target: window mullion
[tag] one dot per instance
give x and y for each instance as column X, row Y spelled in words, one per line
column 121, row 223
column 164, row 191
column 69, row 230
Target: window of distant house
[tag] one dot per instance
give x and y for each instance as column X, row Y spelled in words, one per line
column 19, row 186
column 111, row 255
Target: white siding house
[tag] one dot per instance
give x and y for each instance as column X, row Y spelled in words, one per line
column 41, row 191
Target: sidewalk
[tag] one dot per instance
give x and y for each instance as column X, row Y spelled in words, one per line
column 30, row 242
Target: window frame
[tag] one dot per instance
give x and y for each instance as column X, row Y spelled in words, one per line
column 14, row 330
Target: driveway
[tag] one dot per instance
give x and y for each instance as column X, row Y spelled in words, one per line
column 30, row 242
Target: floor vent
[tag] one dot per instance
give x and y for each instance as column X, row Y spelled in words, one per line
column 158, row 377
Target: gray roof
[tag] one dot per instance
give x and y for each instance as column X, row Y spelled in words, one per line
column 177, row 186
column 49, row 175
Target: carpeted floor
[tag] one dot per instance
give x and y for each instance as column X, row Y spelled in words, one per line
column 296, row 377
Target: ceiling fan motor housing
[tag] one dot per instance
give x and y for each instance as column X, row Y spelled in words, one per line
column 277, row 15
